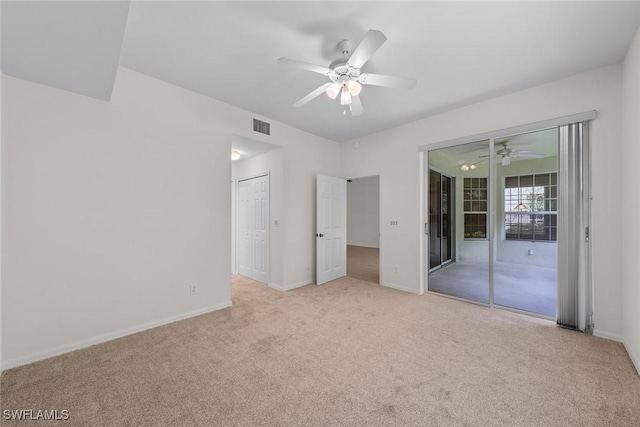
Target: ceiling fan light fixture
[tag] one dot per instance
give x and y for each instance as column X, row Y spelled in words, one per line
column 235, row 155
column 333, row 91
column 464, row 167
column 506, row 161
column 473, row 167
column 345, row 97
column 354, row 87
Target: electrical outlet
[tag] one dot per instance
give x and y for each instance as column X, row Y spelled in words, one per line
column 193, row 288
column 396, row 269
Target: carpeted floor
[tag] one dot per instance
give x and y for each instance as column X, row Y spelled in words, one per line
column 345, row 353
column 363, row 263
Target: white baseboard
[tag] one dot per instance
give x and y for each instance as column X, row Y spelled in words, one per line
column 290, row 287
column 401, row 288
column 632, row 355
column 607, row 335
column 67, row 348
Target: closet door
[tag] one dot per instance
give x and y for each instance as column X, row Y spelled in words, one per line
column 253, row 228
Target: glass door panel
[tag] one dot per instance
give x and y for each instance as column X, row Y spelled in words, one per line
column 462, row 176
column 525, row 232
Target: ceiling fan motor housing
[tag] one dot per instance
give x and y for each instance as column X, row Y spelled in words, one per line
column 343, row 72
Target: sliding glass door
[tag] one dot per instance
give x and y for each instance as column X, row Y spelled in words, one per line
column 519, row 205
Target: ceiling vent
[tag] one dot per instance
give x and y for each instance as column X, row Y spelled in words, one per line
column 261, row 127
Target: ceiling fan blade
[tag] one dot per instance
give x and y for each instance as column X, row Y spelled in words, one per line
column 387, row 81
column 356, row 106
column 305, row 66
column 367, row 47
column 314, row 94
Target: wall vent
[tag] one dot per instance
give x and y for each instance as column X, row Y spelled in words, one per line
column 261, row 127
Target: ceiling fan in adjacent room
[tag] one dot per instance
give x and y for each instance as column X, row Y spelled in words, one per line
column 345, row 75
column 506, row 154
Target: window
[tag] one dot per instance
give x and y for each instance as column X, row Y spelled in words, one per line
column 475, row 208
column 530, row 207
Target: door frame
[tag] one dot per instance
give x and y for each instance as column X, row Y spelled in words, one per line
column 236, row 229
column 380, row 240
column 491, row 136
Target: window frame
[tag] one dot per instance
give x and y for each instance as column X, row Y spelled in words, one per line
column 466, row 212
column 549, row 215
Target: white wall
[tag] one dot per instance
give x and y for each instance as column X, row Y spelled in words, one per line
column 631, row 202
column 394, row 154
column 114, row 208
column 363, row 212
column 302, row 161
column 270, row 163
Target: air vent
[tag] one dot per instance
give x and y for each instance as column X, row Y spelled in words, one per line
column 261, row 127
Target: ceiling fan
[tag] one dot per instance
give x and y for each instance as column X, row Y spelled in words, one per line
column 346, row 78
column 506, row 154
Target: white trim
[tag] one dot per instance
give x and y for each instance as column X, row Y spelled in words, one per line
column 634, row 358
column 515, row 130
column 608, row 335
column 67, row 348
column 290, row 287
column 401, row 288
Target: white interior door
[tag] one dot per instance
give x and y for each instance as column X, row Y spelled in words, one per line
column 244, row 228
column 331, row 228
column 260, row 237
column 253, row 228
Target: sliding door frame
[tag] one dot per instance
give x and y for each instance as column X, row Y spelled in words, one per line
column 424, row 150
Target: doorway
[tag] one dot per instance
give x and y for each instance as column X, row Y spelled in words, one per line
column 363, row 228
column 256, row 194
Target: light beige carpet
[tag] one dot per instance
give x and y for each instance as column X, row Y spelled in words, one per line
column 345, row 353
column 363, row 263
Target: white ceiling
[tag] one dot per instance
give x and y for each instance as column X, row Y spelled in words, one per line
column 73, row 46
column 460, row 52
